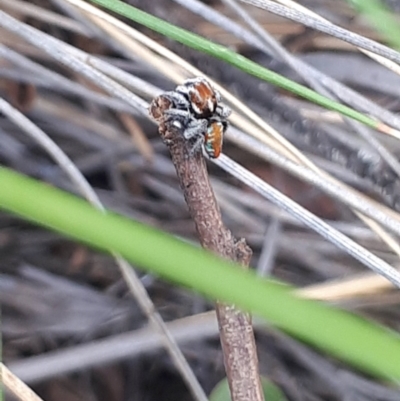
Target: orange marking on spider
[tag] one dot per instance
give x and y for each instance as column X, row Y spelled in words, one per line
column 214, row 138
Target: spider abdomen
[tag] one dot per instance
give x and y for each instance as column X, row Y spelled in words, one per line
column 214, row 138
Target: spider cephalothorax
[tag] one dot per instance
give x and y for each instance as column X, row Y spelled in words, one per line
column 196, row 109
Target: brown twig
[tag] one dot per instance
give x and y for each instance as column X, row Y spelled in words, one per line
column 236, row 331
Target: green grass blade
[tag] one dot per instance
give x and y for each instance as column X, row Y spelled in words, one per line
column 199, row 43
column 361, row 343
column 381, row 18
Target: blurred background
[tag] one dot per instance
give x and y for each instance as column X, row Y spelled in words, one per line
column 70, row 327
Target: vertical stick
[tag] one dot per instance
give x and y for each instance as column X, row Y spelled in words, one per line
column 236, row 331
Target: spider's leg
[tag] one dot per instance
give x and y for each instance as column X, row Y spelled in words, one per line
column 179, row 119
column 178, row 100
column 181, row 115
column 197, row 145
column 195, row 128
column 223, row 111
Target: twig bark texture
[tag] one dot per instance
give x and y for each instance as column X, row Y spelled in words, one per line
column 236, row 332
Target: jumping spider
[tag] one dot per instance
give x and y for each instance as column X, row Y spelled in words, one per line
column 197, row 111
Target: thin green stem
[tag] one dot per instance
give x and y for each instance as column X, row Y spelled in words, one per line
column 199, row 43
